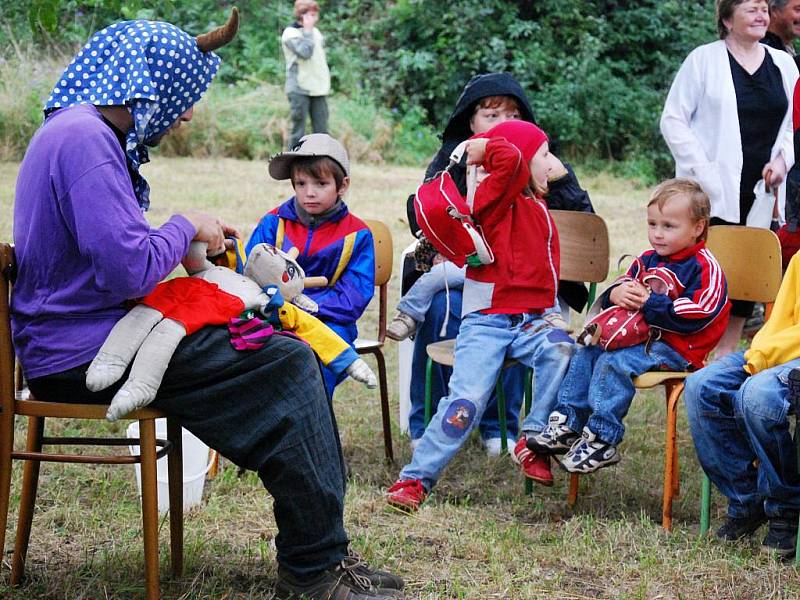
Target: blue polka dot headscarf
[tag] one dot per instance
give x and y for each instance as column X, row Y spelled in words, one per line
column 153, row 68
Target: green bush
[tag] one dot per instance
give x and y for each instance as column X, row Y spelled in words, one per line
column 597, row 71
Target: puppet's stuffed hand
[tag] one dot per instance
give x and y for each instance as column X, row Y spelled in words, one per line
column 106, row 368
column 135, row 394
column 360, row 371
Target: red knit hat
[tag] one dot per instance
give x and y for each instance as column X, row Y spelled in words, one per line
column 525, row 136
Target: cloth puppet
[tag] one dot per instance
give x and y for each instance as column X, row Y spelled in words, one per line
column 617, row 327
column 212, row 295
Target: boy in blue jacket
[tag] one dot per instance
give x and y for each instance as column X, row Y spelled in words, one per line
column 331, row 242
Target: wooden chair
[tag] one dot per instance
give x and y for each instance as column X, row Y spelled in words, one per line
column 384, row 255
column 751, row 260
column 583, row 239
column 12, row 404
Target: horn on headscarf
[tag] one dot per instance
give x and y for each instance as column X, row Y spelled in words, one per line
column 220, row 36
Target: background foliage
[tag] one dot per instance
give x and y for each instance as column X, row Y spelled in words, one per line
column 597, row 71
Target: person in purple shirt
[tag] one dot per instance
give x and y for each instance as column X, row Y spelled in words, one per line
column 84, row 250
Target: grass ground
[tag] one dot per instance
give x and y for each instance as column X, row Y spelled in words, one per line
column 478, row 536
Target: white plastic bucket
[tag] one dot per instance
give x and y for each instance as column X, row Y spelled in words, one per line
column 196, row 463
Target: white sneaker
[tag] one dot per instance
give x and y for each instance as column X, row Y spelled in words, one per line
column 401, row 327
column 494, row 446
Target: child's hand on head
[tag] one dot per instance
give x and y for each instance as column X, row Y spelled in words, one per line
column 630, row 295
column 476, row 150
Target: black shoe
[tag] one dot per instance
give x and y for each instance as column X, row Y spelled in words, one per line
column 781, row 537
column 340, row 582
column 735, row 528
column 378, row 578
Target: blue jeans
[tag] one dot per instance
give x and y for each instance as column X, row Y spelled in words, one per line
column 427, row 333
column 736, row 418
column 483, row 343
column 597, row 391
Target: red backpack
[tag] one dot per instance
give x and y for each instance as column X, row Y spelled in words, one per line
column 445, row 217
column 617, row 327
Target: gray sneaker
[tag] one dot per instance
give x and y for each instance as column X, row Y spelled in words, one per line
column 555, row 438
column 588, row 454
column 401, row 327
column 340, row 582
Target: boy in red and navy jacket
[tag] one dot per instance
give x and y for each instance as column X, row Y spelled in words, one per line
column 331, row 242
column 598, row 388
column 502, row 309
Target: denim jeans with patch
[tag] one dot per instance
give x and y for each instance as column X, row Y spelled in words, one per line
column 598, row 389
column 483, row 343
column 430, row 331
column 736, row 419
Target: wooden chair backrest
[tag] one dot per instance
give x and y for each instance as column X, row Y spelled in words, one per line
column 384, row 252
column 6, row 349
column 583, row 238
column 751, row 260
column 384, row 258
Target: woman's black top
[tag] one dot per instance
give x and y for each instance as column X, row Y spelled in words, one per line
column 761, row 103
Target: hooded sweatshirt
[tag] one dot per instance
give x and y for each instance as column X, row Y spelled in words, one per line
column 524, row 276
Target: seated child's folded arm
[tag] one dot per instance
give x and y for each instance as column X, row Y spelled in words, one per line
column 684, row 314
column 508, row 176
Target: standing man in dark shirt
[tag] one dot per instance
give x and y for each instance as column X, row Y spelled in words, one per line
column 784, row 26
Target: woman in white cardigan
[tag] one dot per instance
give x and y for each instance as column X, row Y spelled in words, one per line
column 727, row 122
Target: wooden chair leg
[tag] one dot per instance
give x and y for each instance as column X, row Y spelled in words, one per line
column 213, row 470
column 27, row 501
column 175, row 474
column 147, row 446
column 387, row 425
column 6, row 447
column 673, row 390
column 572, row 494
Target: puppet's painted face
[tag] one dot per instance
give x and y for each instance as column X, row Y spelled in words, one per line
column 266, row 265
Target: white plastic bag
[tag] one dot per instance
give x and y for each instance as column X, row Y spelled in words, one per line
column 760, row 214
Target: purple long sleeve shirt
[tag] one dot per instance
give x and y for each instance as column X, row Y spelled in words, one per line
column 83, row 246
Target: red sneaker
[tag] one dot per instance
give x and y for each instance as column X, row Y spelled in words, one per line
column 534, row 466
column 407, row 494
